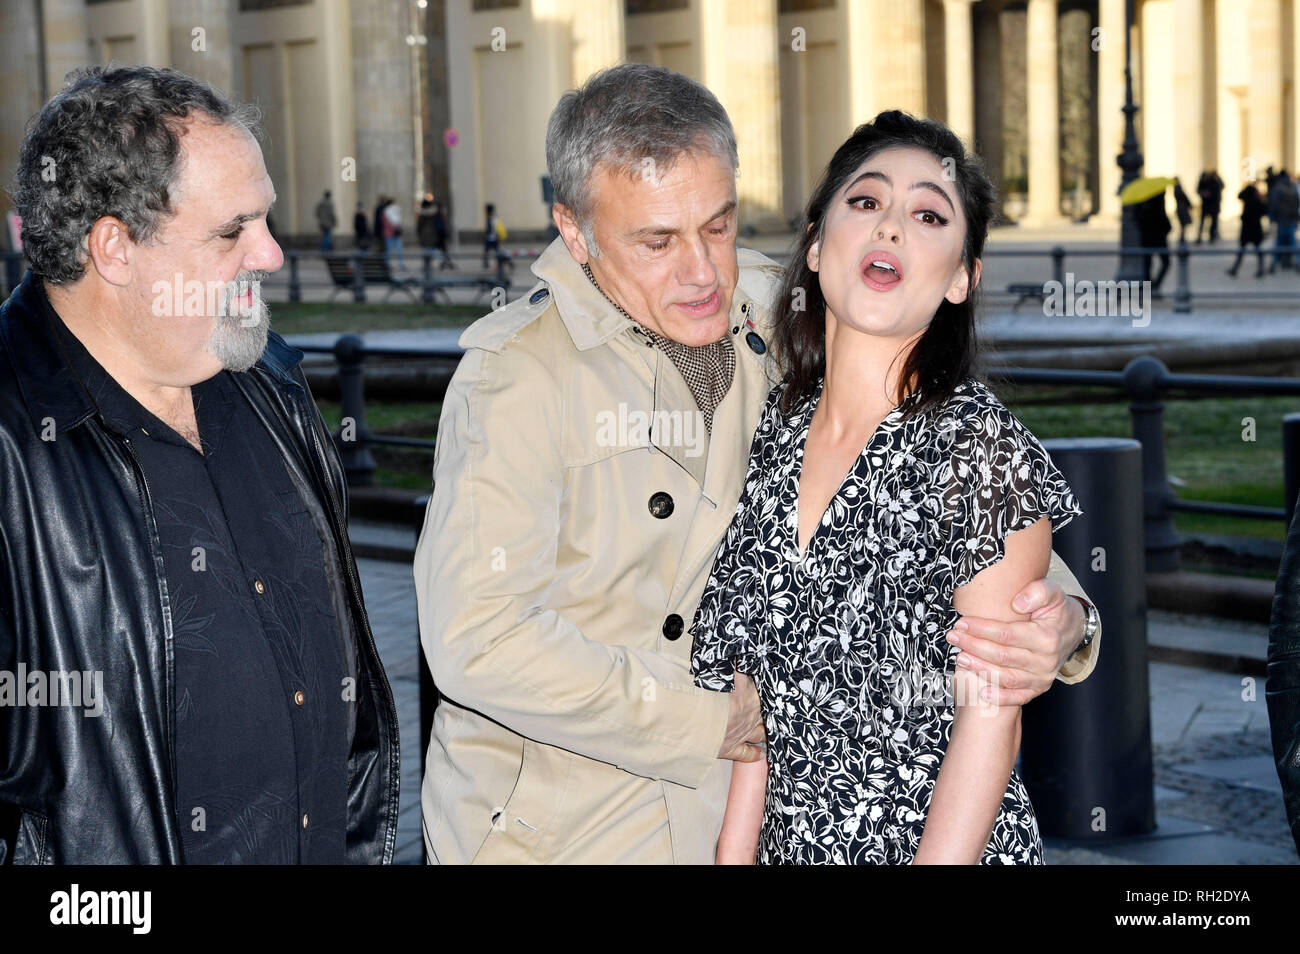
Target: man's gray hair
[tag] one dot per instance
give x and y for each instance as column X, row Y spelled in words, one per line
column 108, row 143
column 635, row 117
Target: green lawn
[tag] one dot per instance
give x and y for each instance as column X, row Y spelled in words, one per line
column 1204, row 447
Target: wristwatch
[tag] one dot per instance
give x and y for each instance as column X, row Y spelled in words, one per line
column 1090, row 627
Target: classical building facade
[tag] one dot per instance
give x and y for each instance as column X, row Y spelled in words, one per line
column 452, row 96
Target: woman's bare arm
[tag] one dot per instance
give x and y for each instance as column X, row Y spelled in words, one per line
column 985, row 738
column 738, row 841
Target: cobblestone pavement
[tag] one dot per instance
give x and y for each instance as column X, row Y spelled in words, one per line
column 390, row 602
column 1238, row 806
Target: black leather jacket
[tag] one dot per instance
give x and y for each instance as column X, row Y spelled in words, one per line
column 1282, row 689
column 82, row 588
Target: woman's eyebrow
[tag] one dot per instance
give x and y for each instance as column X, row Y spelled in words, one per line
column 920, row 184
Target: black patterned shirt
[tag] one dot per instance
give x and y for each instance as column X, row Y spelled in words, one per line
column 261, row 691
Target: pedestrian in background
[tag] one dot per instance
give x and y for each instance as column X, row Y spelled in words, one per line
column 391, row 225
column 1284, row 211
column 1252, row 227
column 1210, row 189
column 327, row 219
column 361, row 227
column 1183, row 208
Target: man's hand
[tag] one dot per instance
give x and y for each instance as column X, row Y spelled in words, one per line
column 745, row 733
column 1021, row 659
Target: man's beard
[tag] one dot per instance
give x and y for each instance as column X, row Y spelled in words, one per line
column 239, row 337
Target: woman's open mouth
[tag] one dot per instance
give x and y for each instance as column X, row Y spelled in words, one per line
column 881, row 271
column 703, row 307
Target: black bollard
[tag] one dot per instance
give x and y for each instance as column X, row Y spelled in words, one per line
column 426, row 282
column 354, row 450
column 1086, row 748
column 1291, row 462
column 358, row 277
column 1144, row 381
column 1183, row 290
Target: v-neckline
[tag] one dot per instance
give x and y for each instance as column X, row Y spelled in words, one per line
column 801, row 449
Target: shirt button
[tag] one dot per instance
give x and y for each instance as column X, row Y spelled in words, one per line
column 304, row 820
column 661, row 505
column 257, row 585
column 298, row 697
column 673, row 626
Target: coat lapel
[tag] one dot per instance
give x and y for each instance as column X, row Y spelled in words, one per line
column 675, row 411
column 734, row 424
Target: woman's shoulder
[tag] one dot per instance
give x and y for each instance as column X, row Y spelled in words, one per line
column 974, row 411
column 970, row 399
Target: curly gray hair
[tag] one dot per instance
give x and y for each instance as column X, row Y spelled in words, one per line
column 630, row 116
column 108, row 144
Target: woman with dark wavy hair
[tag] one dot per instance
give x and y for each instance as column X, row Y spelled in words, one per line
column 888, row 493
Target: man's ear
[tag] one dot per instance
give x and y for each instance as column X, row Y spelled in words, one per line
column 571, row 232
column 109, row 248
column 963, row 283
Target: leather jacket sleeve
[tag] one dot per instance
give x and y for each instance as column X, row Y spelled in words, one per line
column 1282, row 691
column 9, row 816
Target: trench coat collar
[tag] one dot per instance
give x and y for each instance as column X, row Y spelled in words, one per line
column 587, row 314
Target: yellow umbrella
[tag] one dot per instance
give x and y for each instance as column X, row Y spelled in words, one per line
column 1139, row 190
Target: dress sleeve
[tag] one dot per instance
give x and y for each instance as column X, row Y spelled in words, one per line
column 726, row 629
column 1002, row 481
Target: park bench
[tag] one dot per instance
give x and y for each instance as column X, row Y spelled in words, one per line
column 374, row 271
column 1025, row 291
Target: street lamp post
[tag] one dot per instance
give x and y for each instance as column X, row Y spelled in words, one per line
column 1130, row 162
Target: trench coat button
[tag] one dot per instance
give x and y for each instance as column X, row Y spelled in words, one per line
column 298, row 697
column 661, row 505
column 673, row 627
column 304, row 821
column 259, row 586
column 539, row 295
column 756, row 343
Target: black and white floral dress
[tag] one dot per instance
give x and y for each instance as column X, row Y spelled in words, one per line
column 846, row 642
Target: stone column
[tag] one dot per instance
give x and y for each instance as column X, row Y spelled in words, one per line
column 66, row 43
column 20, row 78
column 597, row 36
column 1294, row 41
column 738, row 58
column 959, row 67
column 381, row 80
column 898, row 54
column 209, row 55
column 1189, row 101
column 1264, row 122
column 1110, row 104
column 988, row 91
column 1044, row 113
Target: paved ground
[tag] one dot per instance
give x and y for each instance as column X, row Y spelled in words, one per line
column 1218, row 800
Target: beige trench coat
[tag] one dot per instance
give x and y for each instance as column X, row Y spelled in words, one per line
column 564, row 550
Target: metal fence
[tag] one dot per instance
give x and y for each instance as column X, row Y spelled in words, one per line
column 422, row 276
column 1145, row 381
